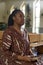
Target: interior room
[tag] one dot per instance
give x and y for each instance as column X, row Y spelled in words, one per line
column 33, row 17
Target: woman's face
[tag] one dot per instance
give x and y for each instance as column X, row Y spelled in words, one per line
column 19, row 18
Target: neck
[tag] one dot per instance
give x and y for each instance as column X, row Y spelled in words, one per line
column 17, row 27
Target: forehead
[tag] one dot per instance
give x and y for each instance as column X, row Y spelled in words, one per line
column 20, row 13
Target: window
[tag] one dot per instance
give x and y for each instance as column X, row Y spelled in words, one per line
column 12, row 9
column 36, row 16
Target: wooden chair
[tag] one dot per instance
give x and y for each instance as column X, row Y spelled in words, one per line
column 1, row 34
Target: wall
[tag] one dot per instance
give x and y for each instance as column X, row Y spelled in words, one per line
column 9, row 5
column 41, row 17
column 15, row 3
column 5, row 9
column 6, row 6
column 2, row 11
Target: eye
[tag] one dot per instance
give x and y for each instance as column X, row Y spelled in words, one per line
column 21, row 15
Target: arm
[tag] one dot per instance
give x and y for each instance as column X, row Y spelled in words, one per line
column 6, row 45
column 24, row 58
column 7, row 42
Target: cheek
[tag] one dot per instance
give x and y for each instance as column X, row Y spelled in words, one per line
column 20, row 20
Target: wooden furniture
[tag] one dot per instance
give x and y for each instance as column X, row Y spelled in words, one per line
column 37, row 44
column 41, row 37
column 36, row 40
column 34, row 37
column 1, row 34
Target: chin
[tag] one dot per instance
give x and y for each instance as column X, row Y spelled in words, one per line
column 22, row 24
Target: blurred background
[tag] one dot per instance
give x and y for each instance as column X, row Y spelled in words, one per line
column 32, row 9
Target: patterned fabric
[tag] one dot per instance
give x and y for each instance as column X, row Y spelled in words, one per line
column 14, row 44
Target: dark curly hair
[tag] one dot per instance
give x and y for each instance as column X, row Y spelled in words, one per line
column 10, row 19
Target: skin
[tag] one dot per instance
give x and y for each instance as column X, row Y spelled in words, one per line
column 18, row 21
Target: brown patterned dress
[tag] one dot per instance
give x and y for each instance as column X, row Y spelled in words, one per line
column 14, row 44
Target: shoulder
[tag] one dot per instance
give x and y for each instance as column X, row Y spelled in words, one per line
column 7, row 31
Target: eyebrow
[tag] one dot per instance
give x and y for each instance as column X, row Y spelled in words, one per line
column 22, row 14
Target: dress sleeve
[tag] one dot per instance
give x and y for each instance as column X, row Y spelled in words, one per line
column 6, row 45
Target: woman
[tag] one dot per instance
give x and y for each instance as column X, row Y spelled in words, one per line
column 16, row 49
